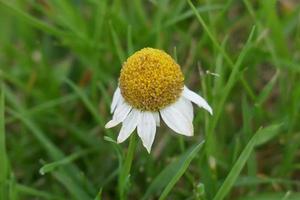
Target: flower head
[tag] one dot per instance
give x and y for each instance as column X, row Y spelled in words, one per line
column 150, row 80
column 151, row 86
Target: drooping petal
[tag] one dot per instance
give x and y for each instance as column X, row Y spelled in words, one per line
column 116, row 98
column 129, row 124
column 120, row 114
column 197, row 99
column 157, row 119
column 176, row 117
column 186, row 107
column 146, row 129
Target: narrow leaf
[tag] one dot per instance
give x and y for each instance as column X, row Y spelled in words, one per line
column 171, row 174
column 269, row 133
column 181, row 168
column 117, row 44
column 237, row 167
column 266, row 91
column 3, row 153
column 66, row 160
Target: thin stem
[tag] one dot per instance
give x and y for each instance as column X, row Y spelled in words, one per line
column 125, row 168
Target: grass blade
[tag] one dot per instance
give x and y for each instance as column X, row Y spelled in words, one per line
column 266, row 91
column 183, row 16
column 273, row 196
column 233, row 76
column 99, row 195
column 36, row 193
column 238, row 166
column 117, row 43
column 172, row 173
column 31, row 20
column 68, row 177
column 130, row 49
column 219, row 47
column 3, row 153
column 269, row 133
column 227, row 89
column 181, row 168
column 66, row 160
column 89, row 105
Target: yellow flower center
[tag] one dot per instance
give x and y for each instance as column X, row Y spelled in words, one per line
column 150, row 80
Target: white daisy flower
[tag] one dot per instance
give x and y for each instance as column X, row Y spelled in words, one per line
column 151, row 86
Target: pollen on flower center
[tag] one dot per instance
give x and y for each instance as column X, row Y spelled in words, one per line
column 150, row 80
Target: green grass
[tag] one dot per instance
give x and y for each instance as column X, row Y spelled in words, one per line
column 3, row 153
column 59, row 66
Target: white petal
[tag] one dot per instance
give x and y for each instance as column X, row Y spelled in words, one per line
column 197, row 99
column 116, row 98
column 120, row 114
column 157, row 119
column 146, row 129
column 129, row 124
column 186, row 107
column 175, row 117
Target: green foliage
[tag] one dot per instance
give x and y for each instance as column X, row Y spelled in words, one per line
column 59, row 67
column 171, row 173
column 3, row 153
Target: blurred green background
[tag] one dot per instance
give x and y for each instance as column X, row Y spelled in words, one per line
column 60, row 62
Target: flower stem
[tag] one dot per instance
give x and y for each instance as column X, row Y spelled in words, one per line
column 125, row 168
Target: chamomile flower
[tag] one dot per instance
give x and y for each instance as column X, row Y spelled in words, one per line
column 151, row 87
